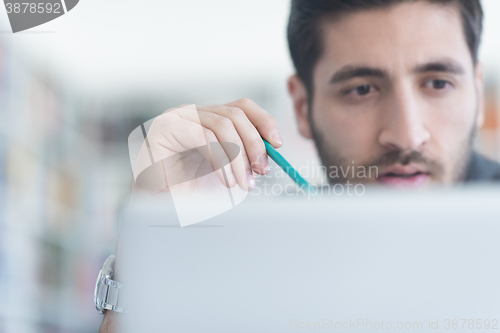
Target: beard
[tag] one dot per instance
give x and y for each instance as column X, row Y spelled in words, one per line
column 331, row 158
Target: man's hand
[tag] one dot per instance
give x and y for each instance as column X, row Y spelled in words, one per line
column 184, row 129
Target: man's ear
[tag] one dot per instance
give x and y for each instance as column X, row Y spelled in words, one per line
column 479, row 77
column 298, row 92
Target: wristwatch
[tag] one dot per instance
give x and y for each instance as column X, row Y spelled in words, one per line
column 108, row 293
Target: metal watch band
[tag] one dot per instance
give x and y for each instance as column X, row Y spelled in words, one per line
column 108, row 293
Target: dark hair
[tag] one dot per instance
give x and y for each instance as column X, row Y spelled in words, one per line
column 305, row 36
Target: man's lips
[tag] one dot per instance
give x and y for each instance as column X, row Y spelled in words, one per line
column 404, row 176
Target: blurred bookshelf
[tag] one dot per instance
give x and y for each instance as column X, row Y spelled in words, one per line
column 60, row 191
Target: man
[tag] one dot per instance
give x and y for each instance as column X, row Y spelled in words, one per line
column 394, row 84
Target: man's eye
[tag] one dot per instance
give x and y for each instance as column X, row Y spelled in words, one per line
column 361, row 90
column 437, row 84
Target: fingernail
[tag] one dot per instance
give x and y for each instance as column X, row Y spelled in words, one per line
column 251, row 181
column 277, row 137
column 264, row 163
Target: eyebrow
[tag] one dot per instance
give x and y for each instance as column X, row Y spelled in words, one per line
column 351, row 72
column 444, row 66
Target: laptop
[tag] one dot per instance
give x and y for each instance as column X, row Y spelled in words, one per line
column 387, row 260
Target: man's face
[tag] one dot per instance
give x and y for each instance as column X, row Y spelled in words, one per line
column 394, row 89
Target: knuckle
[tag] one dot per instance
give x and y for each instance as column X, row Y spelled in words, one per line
column 246, row 102
column 224, row 122
column 256, row 144
column 236, row 112
column 210, row 135
column 208, row 132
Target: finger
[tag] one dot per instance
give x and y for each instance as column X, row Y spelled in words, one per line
column 190, row 113
column 225, row 131
column 254, row 146
column 261, row 119
column 228, row 179
column 173, row 139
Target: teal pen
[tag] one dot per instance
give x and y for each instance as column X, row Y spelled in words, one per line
column 287, row 167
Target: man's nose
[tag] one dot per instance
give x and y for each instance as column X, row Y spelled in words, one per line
column 403, row 128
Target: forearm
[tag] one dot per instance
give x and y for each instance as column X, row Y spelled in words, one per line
column 110, row 323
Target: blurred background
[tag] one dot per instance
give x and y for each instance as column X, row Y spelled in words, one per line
column 73, row 89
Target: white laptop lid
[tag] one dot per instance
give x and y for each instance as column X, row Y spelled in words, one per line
column 384, row 261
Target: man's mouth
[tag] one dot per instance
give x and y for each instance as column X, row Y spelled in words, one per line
column 404, row 176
